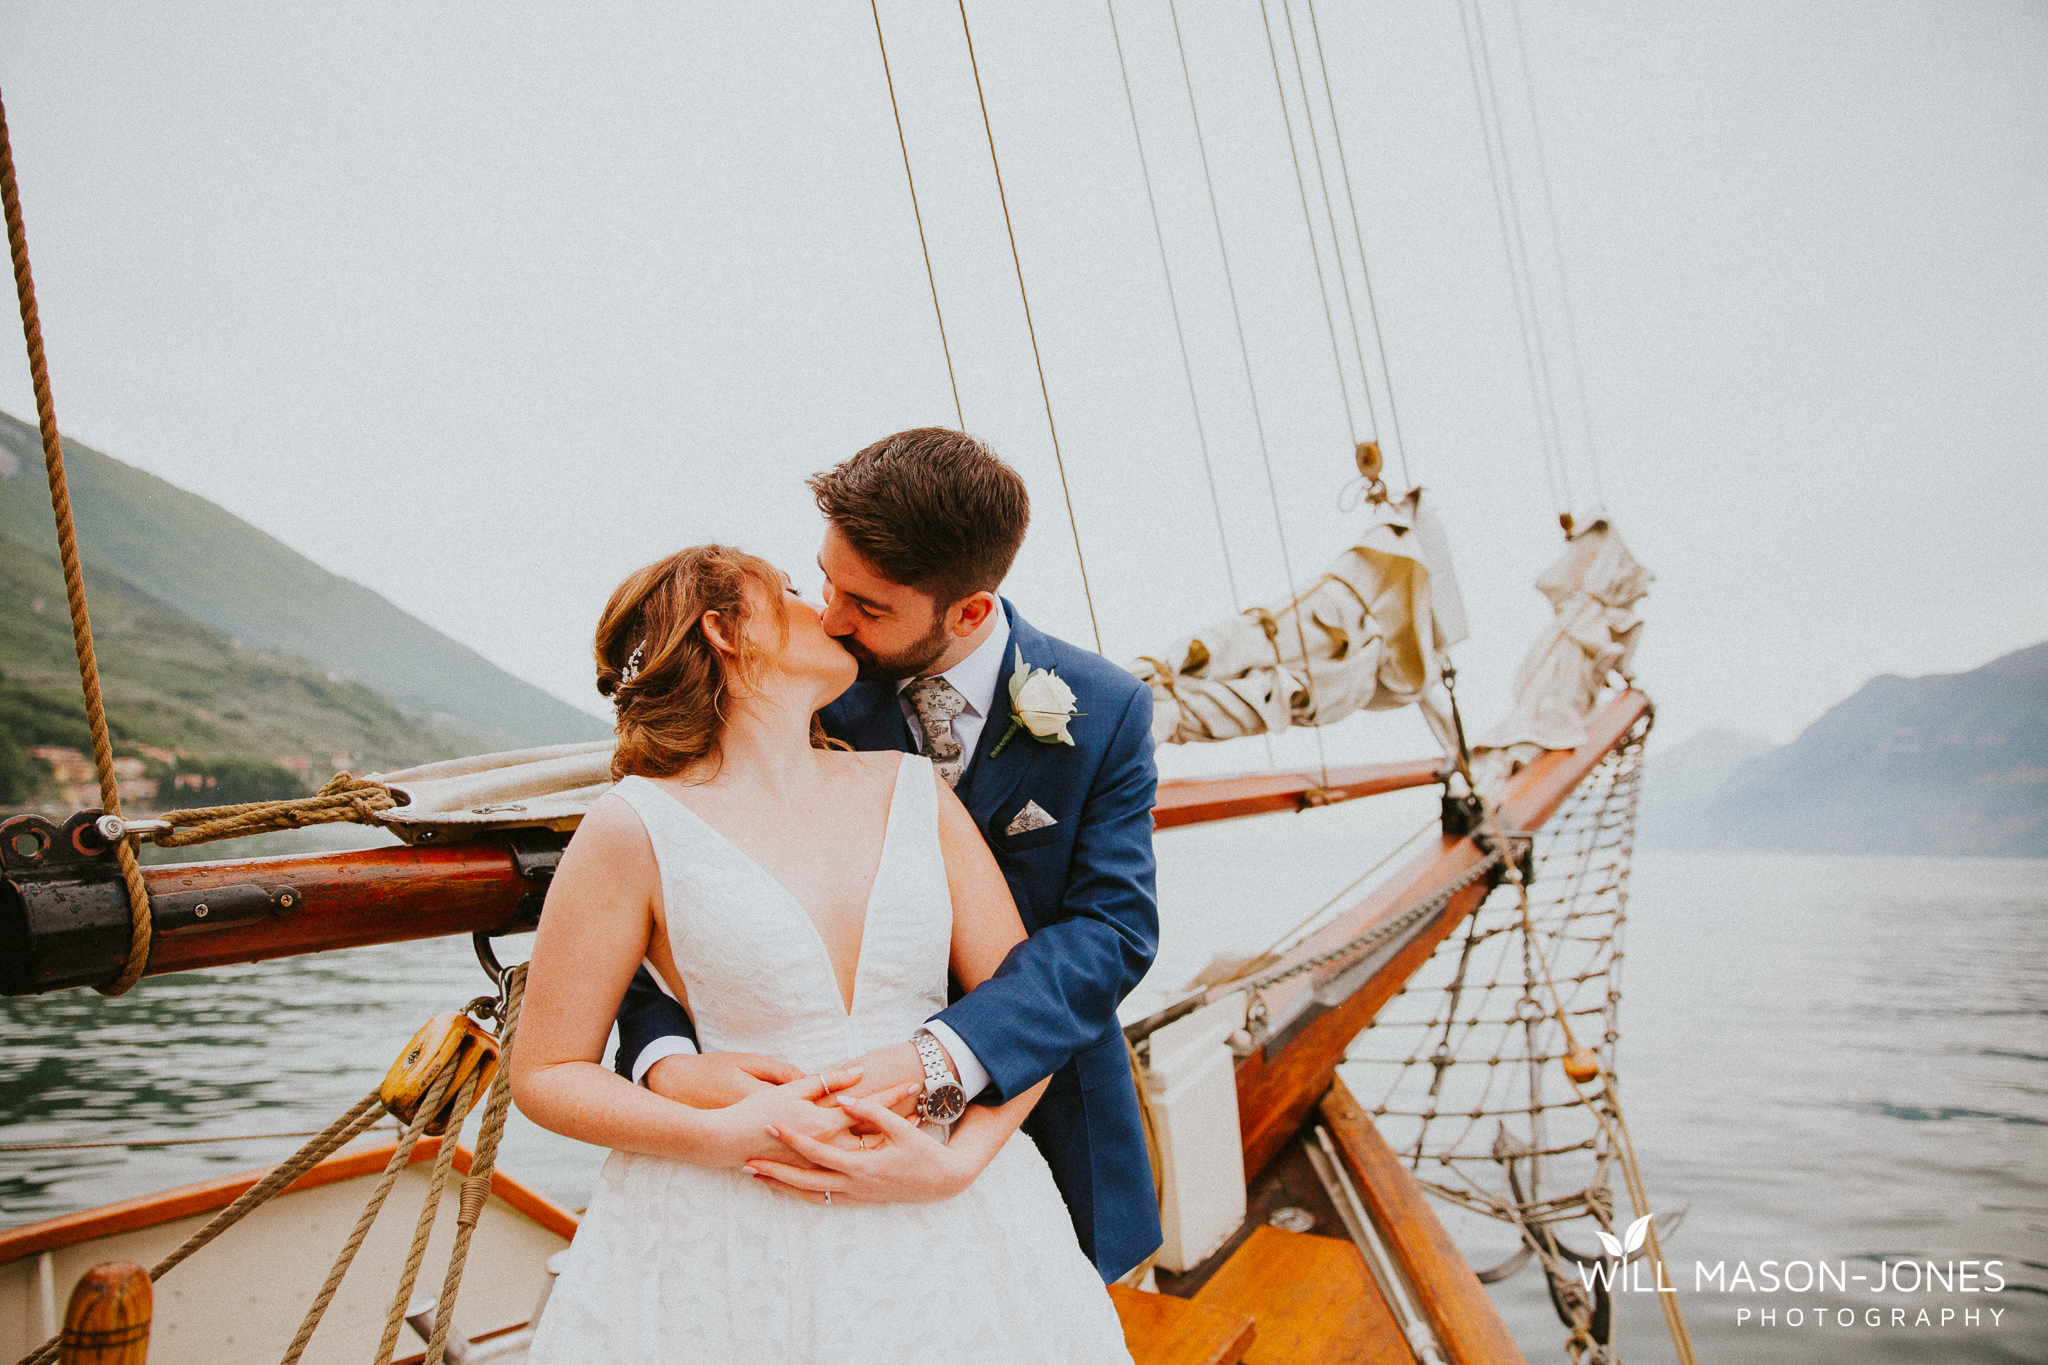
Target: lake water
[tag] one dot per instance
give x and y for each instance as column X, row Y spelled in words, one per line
column 1828, row 1059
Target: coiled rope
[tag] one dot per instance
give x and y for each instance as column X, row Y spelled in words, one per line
column 74, row 576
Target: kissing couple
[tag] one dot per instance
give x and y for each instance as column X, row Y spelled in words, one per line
column 823, row 814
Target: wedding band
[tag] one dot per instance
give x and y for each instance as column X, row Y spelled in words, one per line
column 828, row 1196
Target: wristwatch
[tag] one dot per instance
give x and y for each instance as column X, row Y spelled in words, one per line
column 943, row 1101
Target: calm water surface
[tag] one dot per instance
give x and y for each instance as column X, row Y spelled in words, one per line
column 1827, row 1059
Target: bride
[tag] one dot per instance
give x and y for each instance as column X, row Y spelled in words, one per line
column 803, row 902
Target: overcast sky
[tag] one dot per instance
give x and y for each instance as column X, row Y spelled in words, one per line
column 485, row 309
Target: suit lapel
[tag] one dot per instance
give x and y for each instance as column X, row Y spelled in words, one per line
column 989, row 782
column 872, row 719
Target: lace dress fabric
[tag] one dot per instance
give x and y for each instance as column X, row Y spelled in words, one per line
column 675, row 1262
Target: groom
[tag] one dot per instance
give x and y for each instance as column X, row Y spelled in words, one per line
column 921, row 528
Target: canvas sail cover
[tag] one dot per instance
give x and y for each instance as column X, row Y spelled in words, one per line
column 1593, row 589
column 549, row 786
column 1368, row 635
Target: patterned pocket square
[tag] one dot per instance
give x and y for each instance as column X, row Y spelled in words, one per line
column 1030, row 818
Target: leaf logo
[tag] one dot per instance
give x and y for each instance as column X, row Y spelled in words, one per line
column 1633, row 1238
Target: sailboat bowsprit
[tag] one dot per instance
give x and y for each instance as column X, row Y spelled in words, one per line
column 1445, row 1038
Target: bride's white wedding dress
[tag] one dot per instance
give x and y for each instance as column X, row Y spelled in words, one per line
column 675, row 1262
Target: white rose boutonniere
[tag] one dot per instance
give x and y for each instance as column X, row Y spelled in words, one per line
column 1041, row 705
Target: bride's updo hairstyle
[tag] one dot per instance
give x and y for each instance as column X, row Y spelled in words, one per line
column 668, row 685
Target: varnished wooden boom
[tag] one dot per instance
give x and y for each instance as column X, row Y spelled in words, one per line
column 1194, row 801
column 393, row 895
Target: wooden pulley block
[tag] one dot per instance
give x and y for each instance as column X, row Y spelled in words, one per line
column 1368, row 456
column 445, row 1042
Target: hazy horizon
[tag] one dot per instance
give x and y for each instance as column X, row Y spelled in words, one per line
column 484, row 314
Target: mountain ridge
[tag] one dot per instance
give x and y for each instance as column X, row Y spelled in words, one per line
column 184, row 700
column 225, row 573
column 1948, row 763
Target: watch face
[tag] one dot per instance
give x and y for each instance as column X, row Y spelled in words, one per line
column 944, row 1103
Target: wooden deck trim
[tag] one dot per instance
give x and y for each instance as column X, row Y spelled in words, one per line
column 1446, row 1289
column 1314, row 1299
column 1162, row 1330
column 152, row 1210
column 1276, row 1094
column 1199, row 800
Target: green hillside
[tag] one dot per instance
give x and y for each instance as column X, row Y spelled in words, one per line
column 216, row 568
column 1953, row 764
column 173, row 683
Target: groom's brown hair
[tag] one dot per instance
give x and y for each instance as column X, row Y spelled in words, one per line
column 932, row 509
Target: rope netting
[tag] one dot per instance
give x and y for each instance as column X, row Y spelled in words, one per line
column 1465, row 1069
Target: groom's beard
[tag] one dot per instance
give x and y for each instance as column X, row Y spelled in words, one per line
column 911, row 663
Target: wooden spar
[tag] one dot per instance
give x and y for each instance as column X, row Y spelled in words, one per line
column 1279, row 1086
column 1449, row 1294
column 392, row 895
column 1194, row 801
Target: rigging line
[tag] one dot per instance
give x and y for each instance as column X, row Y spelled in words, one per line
column 1330, row 213
column 1336, row 358
column 1358, row 236
column 1571, row 325
column 1308, row 221
column 1507, row 175
column 1245, row 352
column 1507, row 250
column 1059, row 461
column 932, row 279
column 1166, row 269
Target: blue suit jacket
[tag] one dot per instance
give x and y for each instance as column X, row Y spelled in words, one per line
column 1084, row 886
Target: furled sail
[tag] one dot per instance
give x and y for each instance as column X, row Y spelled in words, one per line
column 1368, row 635
column 1593, row 588
column 547, row 786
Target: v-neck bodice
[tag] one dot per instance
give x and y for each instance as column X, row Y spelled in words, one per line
column 759, row 977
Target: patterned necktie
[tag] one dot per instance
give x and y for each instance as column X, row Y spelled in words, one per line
column 937, row 703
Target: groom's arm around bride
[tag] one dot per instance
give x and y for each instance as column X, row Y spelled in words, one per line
column 921, row 529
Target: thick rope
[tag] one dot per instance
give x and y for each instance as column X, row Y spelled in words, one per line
column 959, row 413
column 360, row 1117
column 401, row 1157
column 1031, row 329
column 430, row 1211
column 139, row 927
column 344, row 799
column 476, row 1188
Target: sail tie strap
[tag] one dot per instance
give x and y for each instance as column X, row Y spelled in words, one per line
column 74, row 576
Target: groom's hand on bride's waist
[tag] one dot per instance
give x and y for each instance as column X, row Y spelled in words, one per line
column 717, row 1080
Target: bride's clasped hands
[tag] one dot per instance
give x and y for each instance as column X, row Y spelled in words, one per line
column 884, row 1159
